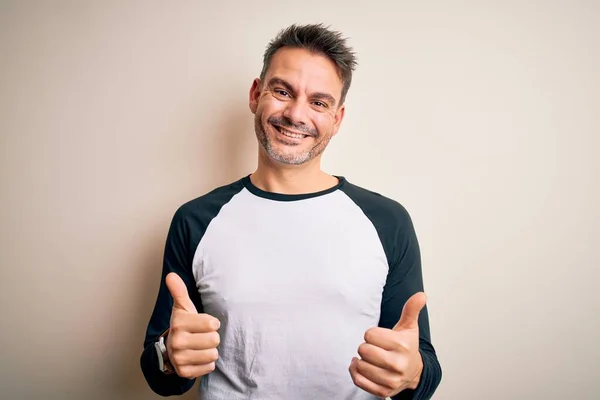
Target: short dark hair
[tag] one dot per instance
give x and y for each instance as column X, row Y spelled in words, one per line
column 317, row 39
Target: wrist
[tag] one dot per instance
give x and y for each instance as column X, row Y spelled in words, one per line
column 417, row 378
column 164, row 363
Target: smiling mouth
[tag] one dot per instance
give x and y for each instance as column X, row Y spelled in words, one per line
column 291, row 135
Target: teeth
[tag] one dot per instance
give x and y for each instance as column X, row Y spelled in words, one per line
column 290, row 134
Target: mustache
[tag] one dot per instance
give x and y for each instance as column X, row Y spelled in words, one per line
column 286, row 123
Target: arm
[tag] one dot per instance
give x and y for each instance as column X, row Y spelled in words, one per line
column 405, row 279
column 177, row 258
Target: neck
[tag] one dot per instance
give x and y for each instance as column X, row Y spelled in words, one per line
column 291, row 179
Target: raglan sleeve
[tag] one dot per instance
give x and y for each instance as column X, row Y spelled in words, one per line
column 178, row 255
column 404, row 279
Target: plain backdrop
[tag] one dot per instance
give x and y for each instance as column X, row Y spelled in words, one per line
column 481, row 118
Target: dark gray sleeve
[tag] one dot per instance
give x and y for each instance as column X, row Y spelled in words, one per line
column 176, row 259
column 185, row 232
column 405, row 278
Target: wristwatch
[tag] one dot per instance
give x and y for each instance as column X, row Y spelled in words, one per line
column 163, row 358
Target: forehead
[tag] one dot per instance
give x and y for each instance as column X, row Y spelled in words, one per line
column 306, row 71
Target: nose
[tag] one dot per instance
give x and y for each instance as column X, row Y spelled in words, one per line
column 297, row 112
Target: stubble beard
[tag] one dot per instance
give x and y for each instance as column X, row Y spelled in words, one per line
column 292, row 157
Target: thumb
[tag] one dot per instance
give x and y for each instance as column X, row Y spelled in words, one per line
column 410, row 313
column 181, row 298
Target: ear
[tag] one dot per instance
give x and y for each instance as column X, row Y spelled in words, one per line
column 338, row 117
column 254, row 95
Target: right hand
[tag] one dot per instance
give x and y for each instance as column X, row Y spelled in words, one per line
column 193, row 338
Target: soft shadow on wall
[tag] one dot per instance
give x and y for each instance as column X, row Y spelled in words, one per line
column 231, row 155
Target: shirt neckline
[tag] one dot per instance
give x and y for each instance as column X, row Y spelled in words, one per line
column 289, row 197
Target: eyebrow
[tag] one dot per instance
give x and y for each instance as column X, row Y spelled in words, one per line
column 317, row 95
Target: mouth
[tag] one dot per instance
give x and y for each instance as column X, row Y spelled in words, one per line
column 290, row 134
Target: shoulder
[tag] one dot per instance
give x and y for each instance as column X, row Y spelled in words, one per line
column 376, row 206
column 207, row 206
column 391, row 221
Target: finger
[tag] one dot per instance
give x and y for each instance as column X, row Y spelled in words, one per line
column 380, row 376
column 194, row 357
column 364, row 383
column 379, row 357
column 181, row 298
column 352, row 368
column 386, row 339
column 194, row 371
column 183, row 321
column 195, row 341
column 410, row 312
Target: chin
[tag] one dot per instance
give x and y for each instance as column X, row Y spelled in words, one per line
column 281, row 156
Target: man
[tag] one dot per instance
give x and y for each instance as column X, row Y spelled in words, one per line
column 291, row 283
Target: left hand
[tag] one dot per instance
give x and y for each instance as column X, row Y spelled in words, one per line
column 390, row 359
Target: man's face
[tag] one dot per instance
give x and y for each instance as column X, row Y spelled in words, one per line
column 297, row 107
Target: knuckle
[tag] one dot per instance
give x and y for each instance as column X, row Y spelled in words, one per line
column 401, row 365
column 401, row 344
column 363, row 350
column 176, row 358
column 214, row 355
column 177, row 342
column 370, row 335
column 210, row 367
column 176, row 324
column 398, row 381
column 360, row 367
column 184, row 372
column 207, row 321
column 214, row 339
column 397, row 366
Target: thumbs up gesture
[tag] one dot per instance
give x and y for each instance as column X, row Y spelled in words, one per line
column 390, row 360
column 193, row 338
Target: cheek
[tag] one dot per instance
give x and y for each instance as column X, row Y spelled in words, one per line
column 270, row 105
column 263, row 112
column 324, row 124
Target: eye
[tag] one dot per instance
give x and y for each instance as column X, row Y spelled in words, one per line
column 319, row 104
column 282, row 92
